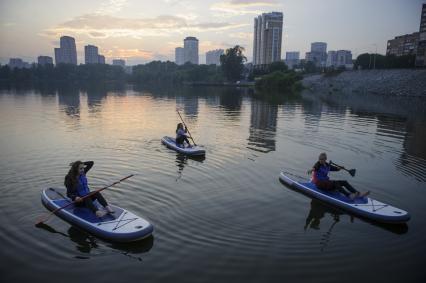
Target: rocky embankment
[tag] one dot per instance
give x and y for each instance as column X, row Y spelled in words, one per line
column 394, row 90
column 395, row 82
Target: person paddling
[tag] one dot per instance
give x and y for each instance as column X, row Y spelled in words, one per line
column 181, row 136
column 77, row 187
column 320, row 178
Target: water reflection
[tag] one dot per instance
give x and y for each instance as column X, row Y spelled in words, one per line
column 69, row 100
column 95, row 97
column 182, row 161
column 189, row 104
column 263, row 126
column 86, row 243
column 230, row 100
column 317, row 212
column 412, row 161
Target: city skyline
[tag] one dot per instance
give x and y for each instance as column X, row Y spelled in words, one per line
column 140, row 31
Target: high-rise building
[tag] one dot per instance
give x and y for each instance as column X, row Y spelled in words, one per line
column 67, row 52
column 318, row 54
column 267, row 38
column 213, row 57
column 292, row 59
column 339, row 58
column 190, row 46
column 18, row 63
column 403, row 45
column 44, row 60
column 179, row 56
column 119, row 62
column 91, row 54
column 101, row 59
column 421, row 45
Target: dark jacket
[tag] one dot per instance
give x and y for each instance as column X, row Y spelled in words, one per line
column 73, row 190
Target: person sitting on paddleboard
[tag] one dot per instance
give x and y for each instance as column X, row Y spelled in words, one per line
column 77, row 188
column 181, row 135
column 322, row 181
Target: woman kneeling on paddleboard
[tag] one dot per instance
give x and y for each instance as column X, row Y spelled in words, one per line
column 181, row 136
column 77, row 188
column 322, row 181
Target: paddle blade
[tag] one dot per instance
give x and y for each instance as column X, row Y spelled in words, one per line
column 40, row 221
column 352, row 172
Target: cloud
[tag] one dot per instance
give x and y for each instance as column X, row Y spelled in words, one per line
column 96, row 34
column 209, row 45
column 128, row 53
column 9, row 24
column 111, row 7
column 242, row 7
column 104, row 26
column 242, row 35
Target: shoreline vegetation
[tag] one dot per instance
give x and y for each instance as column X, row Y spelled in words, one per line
column 274, row 78
column 231, row 73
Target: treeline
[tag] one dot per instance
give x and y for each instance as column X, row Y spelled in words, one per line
column 63, row 73
column 169, row 72
column 153, row 72
column 276, row 77
column 377, row 61
column 231, row 69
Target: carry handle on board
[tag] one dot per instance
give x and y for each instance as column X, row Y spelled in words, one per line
column 41, row 220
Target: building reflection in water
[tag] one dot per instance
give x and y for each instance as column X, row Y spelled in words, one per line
column 411, row 132
column 95, row 97
column 69, row 100
column 263, row 126
column 230, row 100
column 189, row 104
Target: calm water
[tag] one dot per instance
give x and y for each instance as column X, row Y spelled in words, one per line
column 225, row 218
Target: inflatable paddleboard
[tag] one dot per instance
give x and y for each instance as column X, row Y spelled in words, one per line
column 362, row 206
column 120, row 226
column 194, row 150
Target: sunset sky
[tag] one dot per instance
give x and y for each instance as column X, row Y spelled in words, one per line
column 140, row 31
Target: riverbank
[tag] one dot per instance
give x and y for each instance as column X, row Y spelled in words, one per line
column 237, row 84
column 391, row 82
column 401, row 91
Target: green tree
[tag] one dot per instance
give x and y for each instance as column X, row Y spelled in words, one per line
column 278, row 81
column 232, row 63
column 277, row 66
column 310, row 67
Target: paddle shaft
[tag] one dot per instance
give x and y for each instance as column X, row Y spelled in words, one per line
column 81, row 198
column 186, row 127
column 351, row 171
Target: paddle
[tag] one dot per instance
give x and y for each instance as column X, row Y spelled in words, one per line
column 351, row 171
column 186, row 127
column 40, row 222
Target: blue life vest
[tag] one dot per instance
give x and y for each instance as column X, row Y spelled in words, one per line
column 322, row 173
column 180, row 133
column 82, row 187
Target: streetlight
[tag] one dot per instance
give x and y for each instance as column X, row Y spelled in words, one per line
column 374, row 64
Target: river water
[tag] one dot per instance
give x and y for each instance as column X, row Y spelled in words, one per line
column 223, row 218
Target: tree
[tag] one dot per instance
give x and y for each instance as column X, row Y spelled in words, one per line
column 310, row 67
column 277, row 66
column 232, row 63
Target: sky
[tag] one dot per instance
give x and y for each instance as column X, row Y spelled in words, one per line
column 140, row 31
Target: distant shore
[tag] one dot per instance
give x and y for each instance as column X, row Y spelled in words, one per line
column 240, row 84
